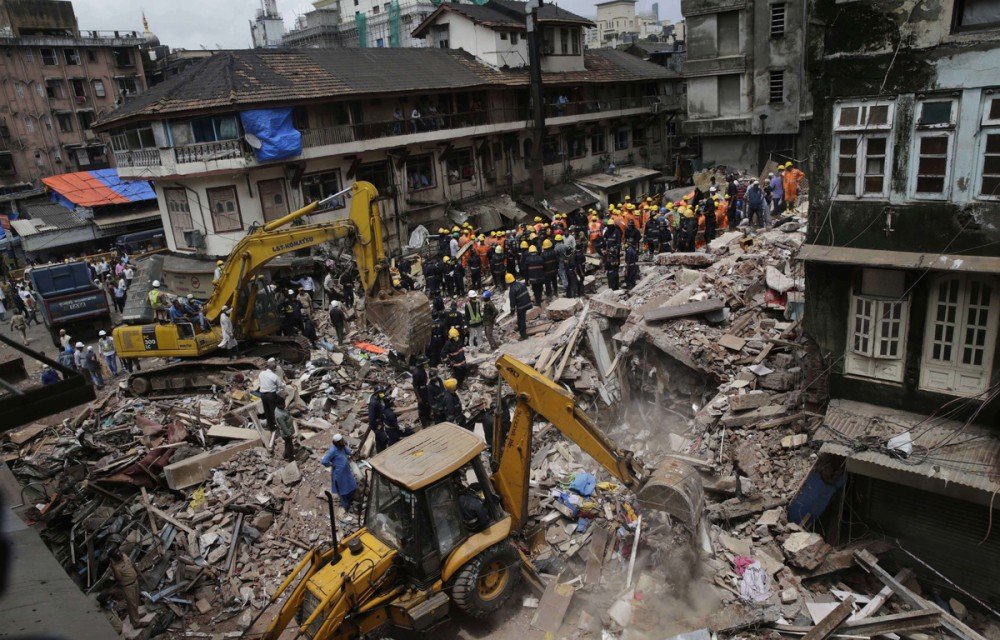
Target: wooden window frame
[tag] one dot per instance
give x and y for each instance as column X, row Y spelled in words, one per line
column 236, row 199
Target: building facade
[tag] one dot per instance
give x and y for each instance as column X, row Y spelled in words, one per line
column 902, row 267
column 55, row 81
column 432, row 128
column 747, row 87
column 268, row 27
column 617, row 23
column 359, row 23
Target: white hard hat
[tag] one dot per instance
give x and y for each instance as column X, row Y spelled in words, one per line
column 90, row 348
column 102, row 332
column 190, row 296
column 337, row 437
column 334, row 304
column 473, row 294
column 291, row 292
column 272, row 361
column 156, row 283
column 79, row 344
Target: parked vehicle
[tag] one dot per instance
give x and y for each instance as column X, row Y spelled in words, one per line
column 68, row 299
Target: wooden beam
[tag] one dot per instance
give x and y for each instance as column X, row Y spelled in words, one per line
column 869, row 563
column 868, row 627
column 683, row 310
column 834, row 619
column 882, row 596
column 571, row 344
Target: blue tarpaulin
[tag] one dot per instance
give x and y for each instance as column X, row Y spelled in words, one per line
column 813, row 498
column 279, row 139
column 96, row 188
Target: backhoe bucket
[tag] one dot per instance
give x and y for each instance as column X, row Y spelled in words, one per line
column 405, row 317
column 674, row 487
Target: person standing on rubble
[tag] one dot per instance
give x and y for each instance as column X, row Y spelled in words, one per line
column 550, row 263
column 436, row 343
column 286, row 427
column 271, row 387
column 534, row 270
column 449, row 406
column 79, row 358
column 454, row 355
column 490, row 314
column 106, row 345
column 631, row 266
column 338, row 319
column 342, row 482
column 497, row 265
column 422, row 390
column 347, row 284
column 382, row 420
column 520, row 302
column 228, row 341
column 93, row 367
column 474, row 319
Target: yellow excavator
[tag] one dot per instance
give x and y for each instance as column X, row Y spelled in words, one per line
column 403, row 316
column 419, row 551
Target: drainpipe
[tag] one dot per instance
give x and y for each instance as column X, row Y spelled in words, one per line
column 535, row 75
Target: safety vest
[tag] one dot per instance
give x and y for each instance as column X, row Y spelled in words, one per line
column 154, row 298
column 475, row 314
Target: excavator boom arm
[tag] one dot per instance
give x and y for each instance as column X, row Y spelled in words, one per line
column 266, row 243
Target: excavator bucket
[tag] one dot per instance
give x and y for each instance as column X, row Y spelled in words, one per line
column 405, row 317
column 674, row 487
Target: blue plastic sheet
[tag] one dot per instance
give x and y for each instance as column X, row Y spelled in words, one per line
column 584, row 484
column 813, row 498
column 279, row 139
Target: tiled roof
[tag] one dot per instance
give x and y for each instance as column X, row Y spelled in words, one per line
column 503, row 14
column 250, row 78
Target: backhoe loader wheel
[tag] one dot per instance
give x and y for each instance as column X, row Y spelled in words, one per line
column 487, row 581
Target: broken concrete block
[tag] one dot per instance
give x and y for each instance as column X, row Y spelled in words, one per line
column 778, row 281
column 621, row 611
column 609, row 308
column 191, row 471
column 749, row 401
column 770, row 518
column 687, row 277
column 533, row 313
column 685, row 259
column 794, row 441
column 203, row 606
column 778, row 381
column 290, row 474
column 562, row 308
column 263, row 521
column 788, row 596
column 731, row 342
column 750, row 417
column 958, row 609
column 805, row 550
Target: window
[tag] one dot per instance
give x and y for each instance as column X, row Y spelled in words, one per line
column 211, row 129
column 777, row 19
column 86, row 118
column 449, row 526
column 320, row 185
column 576, row 146
column 420, row 172
column 960, row 335
column 225, row 207
column 598, row 143
column 40, row 90
column 932, row 143
column 638, row 136
column 7, row 164
column 777, row 87
column 54, row 89
column 375, row 9
column 29, row 55
column 65, row 121
column 460, row 166
column 29, row 124
column 127, row 86
column 513, row 38
column 728, row 36
column 47, row 121
column 863, row 149
column 876, row 342
column 91, row 56
column 99, row 90
column 179, row 214
column 551, row 151
column 971, row 15
column 989, row 186
column 503, row 35
column 273, row 202
column 79, row 89
column 377, row 173
column 49, row 57
column 621, row 139
column 575, row 34
column 72, row 56
column 564, row 41
column 123, row 57
column 136, row 138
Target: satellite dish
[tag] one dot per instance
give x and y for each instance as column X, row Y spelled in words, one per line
column 252, row 140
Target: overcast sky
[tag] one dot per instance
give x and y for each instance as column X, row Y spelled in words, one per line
column 191, row 24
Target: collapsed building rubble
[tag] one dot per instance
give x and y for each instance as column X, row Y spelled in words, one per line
column 703, row 361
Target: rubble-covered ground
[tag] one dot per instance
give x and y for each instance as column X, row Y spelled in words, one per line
column 703, row 360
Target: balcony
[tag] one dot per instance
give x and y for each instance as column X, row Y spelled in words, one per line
column 208, row 151
column 138, row 158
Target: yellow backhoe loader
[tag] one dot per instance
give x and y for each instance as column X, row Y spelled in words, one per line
column 419, row 551
column 403, row 316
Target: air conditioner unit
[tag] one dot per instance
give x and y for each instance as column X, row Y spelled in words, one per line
column 194, row 238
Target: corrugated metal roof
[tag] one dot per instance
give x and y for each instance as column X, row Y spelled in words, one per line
column 946, row 450
column 49, row 216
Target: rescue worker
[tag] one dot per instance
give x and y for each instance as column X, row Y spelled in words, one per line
column 93, row 367
column 228, row 341
column 157, row 301
column 432, row 277
column 106, row 345
column 19, row 323
column 338, row 319
column 342, row 482
column 80, row 358
column 790, row 184
column 520, row 302
column 778, row 192
column 490, row 314
column 271, row 386
column 474, row 319
column 550, row 264
column 382, row 419
column 450, row 405
column 218, row 270
column 631, row 266
column 651, row 234
column 455, row 320
column 534, row 271
column 454, row 355
column 475, row 271
column 422, row 391
column 497, row 265
column 438, row 334
column 448, row 276
column 612, row 264
column 286, row 427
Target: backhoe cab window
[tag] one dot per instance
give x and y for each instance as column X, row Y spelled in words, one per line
column 391, row 512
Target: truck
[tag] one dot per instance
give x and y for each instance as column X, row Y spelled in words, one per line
column 68, row 299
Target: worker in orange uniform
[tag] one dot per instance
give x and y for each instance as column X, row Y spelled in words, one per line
column 790, row 184
column 594, row 232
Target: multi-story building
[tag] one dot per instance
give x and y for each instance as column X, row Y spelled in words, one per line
column 432, row 128
column 616, row 23
column 747, row 88
column 359, row 23
column 56, row 81
column 902, row 267
column 268, row 27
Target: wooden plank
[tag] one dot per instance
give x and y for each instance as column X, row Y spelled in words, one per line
column 552, row 607
column 171, row 520
column 22, row 435
column 232, row 433
column 684, row 310
column 766, row 351
column 829, row 624
column 196, row 469
column 882, row 596
column 733, row 343
column 571, row 344
column 868, row 627
column 869, row 563
column 595, row 555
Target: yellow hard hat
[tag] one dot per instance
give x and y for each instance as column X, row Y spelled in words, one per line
column 559, row 237
column 482, row 237
column 532, row 249
column 533, row 236
column 447, row 259
column 219, row 262
column 453, row 333
column 538, row 218
column 451, row 384
column 509, row 278
column 524, row 244
column 628, row 197
column 395, row 282
column 455, row 228
column 546, row 244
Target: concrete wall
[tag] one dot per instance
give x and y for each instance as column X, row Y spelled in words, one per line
column 29, row 16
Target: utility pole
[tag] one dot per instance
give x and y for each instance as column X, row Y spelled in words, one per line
column 538, row 104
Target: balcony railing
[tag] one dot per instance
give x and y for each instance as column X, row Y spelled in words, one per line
column 138, row 158
column 205, row 151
